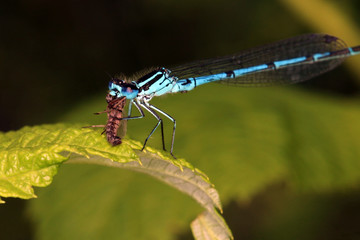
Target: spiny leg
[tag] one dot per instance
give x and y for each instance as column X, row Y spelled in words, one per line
column 162, row 134
column 174, row 128
column 162, row 126
column 129, row 112
column 145, row 106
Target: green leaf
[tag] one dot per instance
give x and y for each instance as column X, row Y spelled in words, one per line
column 176, row 173
column 32, row 156
column 210, row 225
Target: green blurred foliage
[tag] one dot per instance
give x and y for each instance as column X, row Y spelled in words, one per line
column 92, row 202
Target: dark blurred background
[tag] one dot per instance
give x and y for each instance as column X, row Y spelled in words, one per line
column 54, row 54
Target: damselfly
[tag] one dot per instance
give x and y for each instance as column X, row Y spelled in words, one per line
column 288, row 61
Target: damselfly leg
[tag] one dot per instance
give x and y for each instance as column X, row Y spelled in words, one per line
column 174, row 128
column 146, row 106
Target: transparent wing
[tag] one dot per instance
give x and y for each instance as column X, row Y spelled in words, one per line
column 303, row 45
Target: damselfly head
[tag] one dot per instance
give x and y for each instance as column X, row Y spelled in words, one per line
column 119, row 88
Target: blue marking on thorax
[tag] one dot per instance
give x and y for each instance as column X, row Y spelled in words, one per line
column 151, row 77
column 156, row 83
column 141, row 84
column 166, row 89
